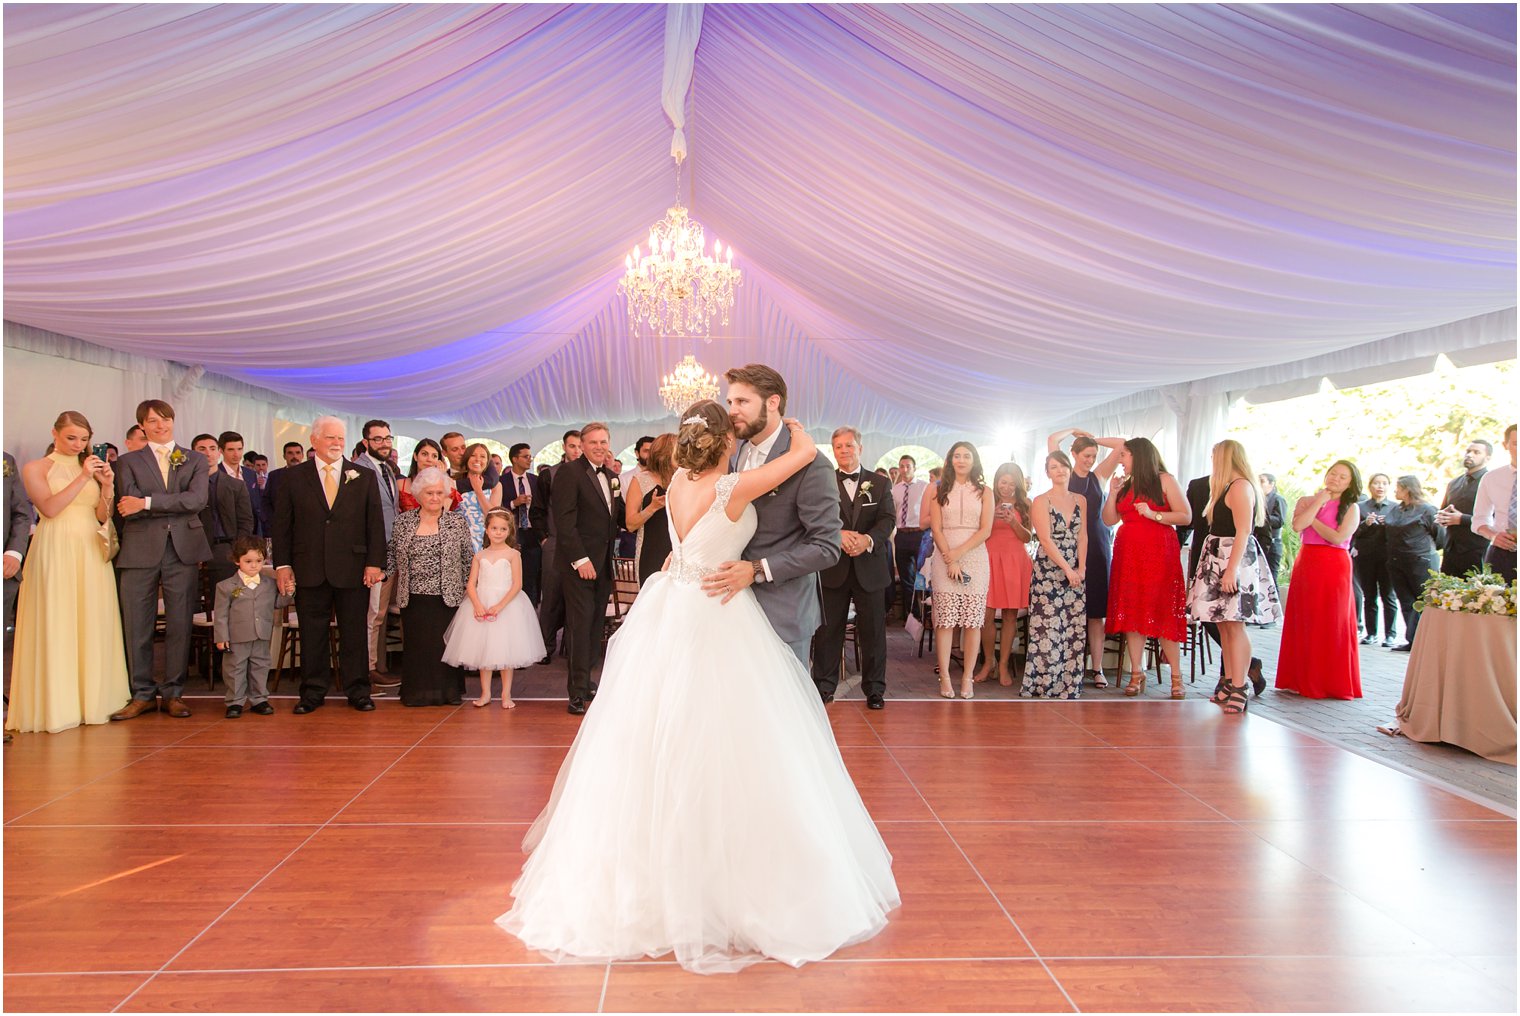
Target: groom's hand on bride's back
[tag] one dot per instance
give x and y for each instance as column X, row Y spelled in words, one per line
column 730, row 579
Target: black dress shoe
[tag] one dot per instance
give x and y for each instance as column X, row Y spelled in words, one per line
column 1258, row 682
column 302, row 708
column 233, row 712
column 546, row 661
column 263, row 709
column 1406, row 647
column 577, row 707
column 875, row 702
column 364, row 705
column 827, row 699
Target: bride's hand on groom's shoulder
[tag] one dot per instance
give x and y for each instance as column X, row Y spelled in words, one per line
column 801, row 440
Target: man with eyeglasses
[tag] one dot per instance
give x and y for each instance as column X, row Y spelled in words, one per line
column 524, row 497
column 377, row 457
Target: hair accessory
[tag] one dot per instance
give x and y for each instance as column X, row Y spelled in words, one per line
column 694, row 419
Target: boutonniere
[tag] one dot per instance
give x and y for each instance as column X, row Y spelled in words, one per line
column 238, row 591
column 176, row 459
column 866, row 485
column 9, row 469
column 615, row 485
column 350, row 474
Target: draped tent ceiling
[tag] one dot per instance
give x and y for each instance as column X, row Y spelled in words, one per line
column 999, row 214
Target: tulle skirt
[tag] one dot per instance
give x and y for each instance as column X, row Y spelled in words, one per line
column 510, row 642
column 704, row 807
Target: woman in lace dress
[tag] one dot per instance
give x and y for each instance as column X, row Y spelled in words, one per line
column 960, row 519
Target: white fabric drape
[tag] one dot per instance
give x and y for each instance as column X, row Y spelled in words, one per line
column 683, row 26
column 951, row 218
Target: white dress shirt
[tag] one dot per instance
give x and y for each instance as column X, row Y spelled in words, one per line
column 1491, row 506
column 909, row 496
column 754, row 456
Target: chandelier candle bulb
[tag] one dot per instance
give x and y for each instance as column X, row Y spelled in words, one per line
column 678, row 288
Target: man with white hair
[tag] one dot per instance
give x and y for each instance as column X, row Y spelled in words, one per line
column 329, row 549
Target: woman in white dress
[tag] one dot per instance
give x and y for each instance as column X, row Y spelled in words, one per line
column 704, row 808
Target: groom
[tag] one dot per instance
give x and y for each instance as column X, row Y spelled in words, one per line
column 798, row 529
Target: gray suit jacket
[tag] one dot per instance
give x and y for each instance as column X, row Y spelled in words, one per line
column 798, row 536
column 388, row 492
column 176, row 512
column 18, row 510
column 246, row 616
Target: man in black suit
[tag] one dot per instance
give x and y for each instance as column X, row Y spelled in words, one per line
column 329, row 548
column 163, row 488
column 1464, row 548
column 860, row 575
column 228, row 513
column 551, row 606
column 18, row 535
column 527, row 502
column 588, row 506
column 294, row 455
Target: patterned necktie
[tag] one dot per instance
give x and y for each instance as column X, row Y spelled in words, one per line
column 902, row 509
column 522, row 510
column 1509, row 525
column 163, row 464
column 330, row 483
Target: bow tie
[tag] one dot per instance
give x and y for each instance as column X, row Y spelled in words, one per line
column 847, row 476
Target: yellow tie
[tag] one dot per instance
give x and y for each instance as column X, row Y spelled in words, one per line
column 330, row 483
column 163, row 466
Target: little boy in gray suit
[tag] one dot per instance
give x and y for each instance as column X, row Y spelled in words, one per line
column 243, row 619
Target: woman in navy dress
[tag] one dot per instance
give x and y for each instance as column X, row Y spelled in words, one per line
column 1088, row 479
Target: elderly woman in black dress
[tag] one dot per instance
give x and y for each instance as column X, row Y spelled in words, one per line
column 430, row 555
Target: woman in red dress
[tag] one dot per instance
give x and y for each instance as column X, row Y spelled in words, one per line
column 1008, row 557
column 1318, row 654
column 1146, row 596
column 427, row 453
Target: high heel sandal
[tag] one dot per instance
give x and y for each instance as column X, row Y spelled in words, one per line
column 1235, row 701
column 1136, row 684
column 1097, row 678
column 1258, row 682
column 1177, row 691
column 1221, row 692
column 966, row 690
column 946, row 690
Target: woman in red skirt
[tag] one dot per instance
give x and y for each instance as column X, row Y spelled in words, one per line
column 1008, row 557
column 1146, row 596
column 1318, row 655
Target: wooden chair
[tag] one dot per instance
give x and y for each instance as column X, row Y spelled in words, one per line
column 625, row 588
column 290, row 644
column 1198, row 643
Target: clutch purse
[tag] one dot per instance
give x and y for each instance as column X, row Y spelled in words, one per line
column 109, row 544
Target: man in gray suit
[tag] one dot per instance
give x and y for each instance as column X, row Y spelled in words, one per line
column 163, row 489
column 377, row 457
column 798, row 530
column 18, row 534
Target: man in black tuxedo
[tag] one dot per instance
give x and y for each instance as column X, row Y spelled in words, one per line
column 228, row 513
column 551, row 606
column 294, row 455
column 862, row 573
column 329, row 548
column 163, row 488
column 588, row 506
column 531, row 509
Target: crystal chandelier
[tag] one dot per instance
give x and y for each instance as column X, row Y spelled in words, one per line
column 676, row 287
column 689, row 382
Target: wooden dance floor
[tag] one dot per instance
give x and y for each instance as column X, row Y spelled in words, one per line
column 1051, row 856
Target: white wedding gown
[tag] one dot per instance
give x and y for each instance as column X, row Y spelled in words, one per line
column 704, row 807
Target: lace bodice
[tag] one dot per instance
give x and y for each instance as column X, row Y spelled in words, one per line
column 713, row 539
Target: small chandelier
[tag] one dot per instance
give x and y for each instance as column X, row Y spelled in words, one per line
column 689, row 382
column 676, row 288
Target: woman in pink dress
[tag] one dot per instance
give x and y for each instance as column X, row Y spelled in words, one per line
column 1318, row 656
column 1010, row 565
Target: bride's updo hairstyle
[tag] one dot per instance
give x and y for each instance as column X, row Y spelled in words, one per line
column 702, row 441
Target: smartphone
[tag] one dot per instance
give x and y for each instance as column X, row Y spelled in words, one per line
column 99, row 451
column 1006, row 506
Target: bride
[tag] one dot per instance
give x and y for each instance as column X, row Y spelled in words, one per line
column 704, row 808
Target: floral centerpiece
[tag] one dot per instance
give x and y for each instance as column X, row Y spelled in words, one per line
column 1477, row 592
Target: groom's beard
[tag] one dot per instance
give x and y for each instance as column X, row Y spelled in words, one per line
column 745, row 431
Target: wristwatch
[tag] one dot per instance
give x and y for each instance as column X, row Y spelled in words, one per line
column 759, row 571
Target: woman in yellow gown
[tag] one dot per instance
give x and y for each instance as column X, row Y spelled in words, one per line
column 68, row 666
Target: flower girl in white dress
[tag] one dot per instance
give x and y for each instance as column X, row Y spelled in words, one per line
column 704, row 808
column 495, row 628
